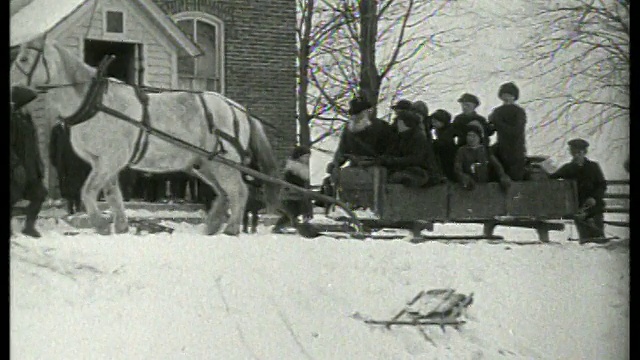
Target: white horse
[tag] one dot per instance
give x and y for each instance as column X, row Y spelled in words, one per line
column 110, row 143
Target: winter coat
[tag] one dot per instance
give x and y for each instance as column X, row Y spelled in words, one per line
column 478, row 164
column 24, row 148
column 370, row 142
column 407, row 149
column 509, row 122
column 445, row 149
column 460, row 125
column 590, row 180
column 72, row 170
column 296, row 173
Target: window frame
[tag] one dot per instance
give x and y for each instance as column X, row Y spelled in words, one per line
column 218, row 25
column 107, row 10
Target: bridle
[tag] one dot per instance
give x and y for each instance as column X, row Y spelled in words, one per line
column 39, row 58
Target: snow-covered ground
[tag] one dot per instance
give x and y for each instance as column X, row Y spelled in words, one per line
column 265, row 296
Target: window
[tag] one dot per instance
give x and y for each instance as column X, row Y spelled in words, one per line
column 206, row 71
column 115, row 22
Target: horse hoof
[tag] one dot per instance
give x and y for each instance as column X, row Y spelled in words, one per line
column 122, row 229
column 104, row 230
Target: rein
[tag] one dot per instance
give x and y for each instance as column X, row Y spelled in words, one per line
column 92, row 104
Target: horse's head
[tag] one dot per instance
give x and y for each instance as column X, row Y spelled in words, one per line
column 31, row 66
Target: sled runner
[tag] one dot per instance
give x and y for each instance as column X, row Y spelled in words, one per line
column 436, row 307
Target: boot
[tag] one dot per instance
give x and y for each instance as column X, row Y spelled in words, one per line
column 30, row 230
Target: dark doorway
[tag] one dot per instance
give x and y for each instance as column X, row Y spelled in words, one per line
column 122, row 67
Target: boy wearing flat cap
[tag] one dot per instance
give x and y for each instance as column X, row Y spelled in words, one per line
column 591, row 187
column 27, row 169
column 364, row 135
column 469, row 103
column 509, row 121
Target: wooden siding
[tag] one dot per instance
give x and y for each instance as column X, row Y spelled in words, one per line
column 158, row 53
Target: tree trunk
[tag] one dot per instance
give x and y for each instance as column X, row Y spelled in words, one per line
column 369, row 78
column 303, row 75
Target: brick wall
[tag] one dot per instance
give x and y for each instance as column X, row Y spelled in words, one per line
column 260, row 59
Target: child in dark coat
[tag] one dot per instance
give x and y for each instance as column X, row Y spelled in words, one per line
column 469, row 103
column 474, row 162
column 295, row 204
column 509, row 121
column 591, row 188
column 444, row 145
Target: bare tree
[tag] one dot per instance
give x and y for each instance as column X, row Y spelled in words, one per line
column 357, row 48
column 581, row 49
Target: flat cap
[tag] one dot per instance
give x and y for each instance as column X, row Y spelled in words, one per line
column 469, row 98
column 578, row 144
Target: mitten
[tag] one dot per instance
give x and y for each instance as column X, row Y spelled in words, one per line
column 590, row 202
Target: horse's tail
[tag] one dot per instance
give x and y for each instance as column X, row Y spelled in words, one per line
column 263, row 156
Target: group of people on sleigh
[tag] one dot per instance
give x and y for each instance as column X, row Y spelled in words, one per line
column 420, row 149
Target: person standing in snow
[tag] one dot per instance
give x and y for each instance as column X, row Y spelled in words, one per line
column 591, row 188
column 26, row 167
column 72, row 170
column 295, row 204
column 509, row 121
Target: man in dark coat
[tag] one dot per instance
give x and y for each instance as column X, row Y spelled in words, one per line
column 591, row 188
column 72, row 170
column 444, row 145
column 509, row 121
column 406, row 156
column 364, row 135
column 27, row 169
column 469, row 103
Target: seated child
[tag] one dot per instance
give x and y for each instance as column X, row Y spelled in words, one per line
column 474, row 162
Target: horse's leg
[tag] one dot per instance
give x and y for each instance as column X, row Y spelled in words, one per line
column 237, row 193
column 113, row 194
column 217, row 214
column 92, row 186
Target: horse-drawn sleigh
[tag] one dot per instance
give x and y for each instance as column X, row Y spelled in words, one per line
column 114, row 125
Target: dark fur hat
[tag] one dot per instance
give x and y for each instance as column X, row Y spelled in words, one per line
column 441, row 115
column 509, row 88
column 402, row 105
column 421, row 108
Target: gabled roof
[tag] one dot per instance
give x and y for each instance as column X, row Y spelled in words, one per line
column 40, row 16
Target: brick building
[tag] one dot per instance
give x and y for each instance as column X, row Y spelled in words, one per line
column 244, row 49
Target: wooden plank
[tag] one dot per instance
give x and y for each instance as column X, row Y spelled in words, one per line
column 485, row 202
column 616, row 210
column 618, row 182
column 616, row 196
column 617, row 223
column 409, row 204
column 546, row 199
